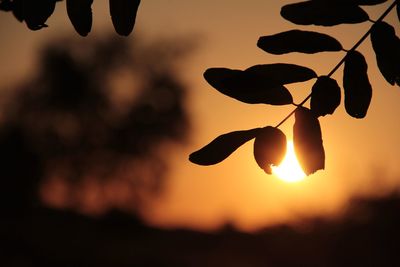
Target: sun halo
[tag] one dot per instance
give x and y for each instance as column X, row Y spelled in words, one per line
column 289, row 170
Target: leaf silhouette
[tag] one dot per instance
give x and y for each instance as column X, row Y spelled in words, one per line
column 324, row 13
column 80, row 15
column 368, row 2
column 17, row 10
column 307, row 141
column 260, row 84
column 387, row 50
column 325, row 96
column 222, row 147
column 298, row 41
column 36, row 13
column 13, row 5
column 357, row 89
column 6, row 5
column 280, row 73
column 269, row 148
column 242, row 87
column 354, row 2
column 123, row 15
column 398, row 10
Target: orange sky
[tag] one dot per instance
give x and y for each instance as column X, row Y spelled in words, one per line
column 361, row 155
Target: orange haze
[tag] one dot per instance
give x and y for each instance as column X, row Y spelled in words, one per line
column 362, row 155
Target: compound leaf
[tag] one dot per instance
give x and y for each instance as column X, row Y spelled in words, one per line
column 298, row 41
column 269, row 148
column 222, row 147
column 307, row 140
column 325, row 96
column 356, row 85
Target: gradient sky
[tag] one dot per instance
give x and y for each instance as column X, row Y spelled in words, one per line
column 362, row 156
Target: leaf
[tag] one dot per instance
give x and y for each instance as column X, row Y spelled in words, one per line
column 307, row 140
column 269, row 148
column 36, row 13
column 17, row 10
column 298, row 41
column 323, row 13
column 280, row 73
column 123, row 15
column 368, row 2
column 6, row 5
column 387, row 50
column 260, row 83
column 357, row 89
column 80, row 15
column 325, row 96
column 242, row 87
column 222, row 147
column 354, row 2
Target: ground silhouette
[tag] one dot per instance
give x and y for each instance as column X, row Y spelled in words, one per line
column 367, row 235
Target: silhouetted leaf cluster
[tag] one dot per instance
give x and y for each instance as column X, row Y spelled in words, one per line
column 35, row 13
column 264, row 84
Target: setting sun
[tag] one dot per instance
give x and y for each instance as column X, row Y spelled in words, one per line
column 289, row 170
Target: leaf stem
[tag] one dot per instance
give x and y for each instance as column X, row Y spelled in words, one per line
column 362, row 39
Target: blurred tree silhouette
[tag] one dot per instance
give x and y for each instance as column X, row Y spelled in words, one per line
column 102, row 111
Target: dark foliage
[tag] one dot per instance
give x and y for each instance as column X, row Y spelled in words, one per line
column 325, row 96
column 354, row 2
column 247, row 88
column 80, row 15
column 123, row 15
column 398, row 10
column 222, row 147
column 35, row 13
column 298, row 41
column 260, row 83
column 269, row 148
column 307, row 141
column 357, row 89
column 387, row 49
column 324, row 13
column 263, row 83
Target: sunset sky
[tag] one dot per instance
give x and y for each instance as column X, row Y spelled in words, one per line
column 362, row 156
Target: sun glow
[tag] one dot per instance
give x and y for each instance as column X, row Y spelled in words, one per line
column 289, row 170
